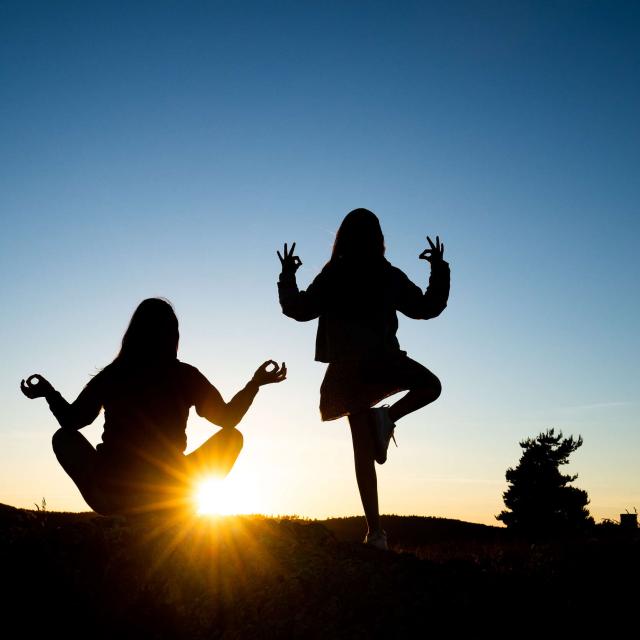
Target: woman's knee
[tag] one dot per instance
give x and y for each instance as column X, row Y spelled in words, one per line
column 430, row 384
column 233, row 438
column 422, row 380
column 219, row 453
column 75, row 454
column 58, row 439
column 62, row 439
column 69, row 442
column 436, row 387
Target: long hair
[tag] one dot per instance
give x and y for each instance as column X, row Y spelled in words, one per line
column 359, row 237
column 152, row 335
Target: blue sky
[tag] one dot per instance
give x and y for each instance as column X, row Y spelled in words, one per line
column 169, row 148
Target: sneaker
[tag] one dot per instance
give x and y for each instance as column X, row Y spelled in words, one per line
column 382, row 432
column 377, row 539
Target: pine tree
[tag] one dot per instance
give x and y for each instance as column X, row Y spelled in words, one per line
column 539, row 498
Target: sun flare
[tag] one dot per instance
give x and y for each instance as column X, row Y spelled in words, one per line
column 228, row 496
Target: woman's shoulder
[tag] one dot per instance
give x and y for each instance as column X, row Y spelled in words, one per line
column 102, row 376
column 187, row 369
column 329, row 269
column 188, row 372
column 325, row 277
column 396, row 274
column 391, row 268
column 101, row 383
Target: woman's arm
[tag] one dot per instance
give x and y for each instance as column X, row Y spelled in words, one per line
column 296, row 304
column 410, row 299
column 80, row 413
column 209, row 403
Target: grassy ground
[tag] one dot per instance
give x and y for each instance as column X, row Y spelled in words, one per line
column 256, row 577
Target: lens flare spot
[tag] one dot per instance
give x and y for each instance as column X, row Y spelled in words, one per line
column 228, row 496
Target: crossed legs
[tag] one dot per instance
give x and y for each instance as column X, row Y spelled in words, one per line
column 110, row 495
column 217, row 455
column 79, row 459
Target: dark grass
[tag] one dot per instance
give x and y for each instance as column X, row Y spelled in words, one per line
column 83, row 575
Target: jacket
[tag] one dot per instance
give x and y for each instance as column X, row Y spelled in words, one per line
column 356, row 305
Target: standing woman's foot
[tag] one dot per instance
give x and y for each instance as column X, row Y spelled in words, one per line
column 382, row 432
column 377, row 539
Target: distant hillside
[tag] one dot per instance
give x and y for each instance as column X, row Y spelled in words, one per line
column 257, row 577
column 415, row 530
column 405, row 530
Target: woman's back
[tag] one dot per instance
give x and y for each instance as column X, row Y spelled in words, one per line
column 356, row 302
column 358, row 313
column 146, row 408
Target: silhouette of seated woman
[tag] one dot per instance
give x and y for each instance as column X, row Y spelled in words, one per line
column 146, row 393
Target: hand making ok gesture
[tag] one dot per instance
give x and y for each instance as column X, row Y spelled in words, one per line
column 265, row 375
column 436, row 251
column 36, row 386
column 290, row 263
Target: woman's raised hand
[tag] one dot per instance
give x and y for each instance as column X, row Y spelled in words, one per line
column 36, row 386
column 436, row 251
column 290, row 263
column 264, row 375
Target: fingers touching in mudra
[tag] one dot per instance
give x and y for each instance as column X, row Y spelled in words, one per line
column 36, row 386
column 290, row 262
column 265, row 375
column 436, row 251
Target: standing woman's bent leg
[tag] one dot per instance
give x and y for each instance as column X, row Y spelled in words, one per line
column 364, row 456
column 424, row 387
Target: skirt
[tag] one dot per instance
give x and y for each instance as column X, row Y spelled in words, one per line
column 357, row 384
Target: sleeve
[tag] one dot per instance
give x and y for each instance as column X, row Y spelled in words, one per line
column 209, row 403
column 80, row 413
column 413, row 303
column 302, row 305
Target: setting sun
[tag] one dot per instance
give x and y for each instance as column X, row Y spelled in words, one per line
column 228, row 496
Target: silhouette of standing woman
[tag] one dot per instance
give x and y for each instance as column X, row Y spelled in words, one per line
column 146, row 393
column 355, row 297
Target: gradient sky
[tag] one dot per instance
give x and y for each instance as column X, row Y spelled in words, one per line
column 170, row 148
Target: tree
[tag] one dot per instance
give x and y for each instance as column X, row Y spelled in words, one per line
column 539, row 498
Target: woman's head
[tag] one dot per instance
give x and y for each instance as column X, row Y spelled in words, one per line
column 152, row 335
column 359, row 236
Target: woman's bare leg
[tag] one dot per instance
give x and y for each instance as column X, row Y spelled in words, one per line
column 416, row 399
column 364, row 456
column 78, row 458
column 217, row 455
